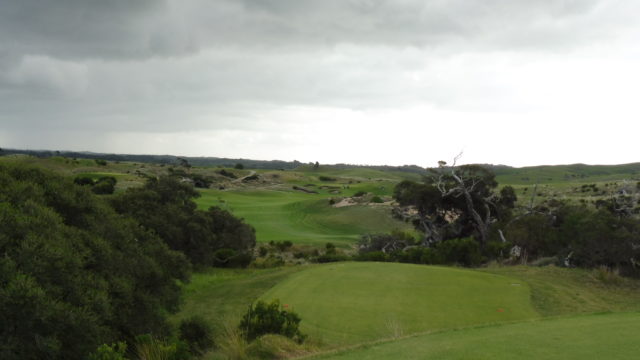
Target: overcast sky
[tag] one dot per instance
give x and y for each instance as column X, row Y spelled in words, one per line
column 516, row 82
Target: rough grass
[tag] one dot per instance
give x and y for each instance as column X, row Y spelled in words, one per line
column 347, row 303
column 560, row 291
column 223, row 295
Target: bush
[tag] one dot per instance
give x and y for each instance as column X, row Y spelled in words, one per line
column 360, row 193
column 105, row 185
column 327, row 258
column 263, row 251
column 377, row 199
column 372, row 256
column 228, row 174
column 270, row 318
column 110, row 352
column 197, row 333
column 464, row 251
column 326, row 178
column 331, row 249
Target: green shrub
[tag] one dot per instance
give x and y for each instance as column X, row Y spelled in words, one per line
column 326, row 178
column 463, row 251
column 377, row 199
column 372, row 256
column 197, row 333
column 83, row 180
column 105, row 185
column 360, row 193
column 331, row 249
column 263, row 251
column 270, row 318
column 109, row 352
column 327, row 258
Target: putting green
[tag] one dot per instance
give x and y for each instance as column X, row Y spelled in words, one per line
column 347, row 303
column 600, row 336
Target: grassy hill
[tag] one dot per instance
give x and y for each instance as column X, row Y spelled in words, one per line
column 348, row 303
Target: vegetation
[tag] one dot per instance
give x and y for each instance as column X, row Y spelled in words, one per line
column 270, row 318
column 74, row 274
column 583, row 337
column 165, row 205
column 96, row 256
column 347, row 303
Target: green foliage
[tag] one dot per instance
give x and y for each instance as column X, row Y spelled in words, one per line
column 74, row 274
column 101, row 162
column 377, row 199
column 197, row 333
column 465, row 251
column 326, row 178
column 270, row 318
column 239, row 166
column 115, row 351
column 104, row 185
column 360, row 193
column 165, row 205
column 228, row 174
column 330, row 248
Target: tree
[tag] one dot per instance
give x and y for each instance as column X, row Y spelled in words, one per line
column 316, row 166
column 239, row 166
column 165, row 206
column 455, row 201
column 73, row 273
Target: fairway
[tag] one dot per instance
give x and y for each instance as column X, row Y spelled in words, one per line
column 301, row 218
column 348, row 303
column 600, row 336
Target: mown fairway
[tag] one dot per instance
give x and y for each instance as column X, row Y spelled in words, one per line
column 347, row 303
column 301, row 218
column 600, row 336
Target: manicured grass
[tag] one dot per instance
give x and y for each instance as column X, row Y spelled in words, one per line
column 601, row 336
column 347, row 303
column 301, row 218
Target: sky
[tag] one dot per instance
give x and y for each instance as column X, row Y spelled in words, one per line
column 515, row 82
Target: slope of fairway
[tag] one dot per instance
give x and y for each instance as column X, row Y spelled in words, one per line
column 299, row 217
column 600, row 336
column 347, row 303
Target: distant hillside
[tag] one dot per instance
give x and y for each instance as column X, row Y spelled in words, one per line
column 566, row 173
column 201, row 161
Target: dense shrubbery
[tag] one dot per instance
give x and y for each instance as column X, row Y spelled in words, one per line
column 74, row 274
column 104, row 185
column 165, row 206
column 197, row 333
column 584, row 236
column 270, row 318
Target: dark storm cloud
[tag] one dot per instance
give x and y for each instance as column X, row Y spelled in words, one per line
column 115, row 29
column 176, row 65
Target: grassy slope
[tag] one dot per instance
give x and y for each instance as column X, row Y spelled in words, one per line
column 603, row 336
column 348, row 303
column 223, row 295
column 395, row 291
column 299, row 217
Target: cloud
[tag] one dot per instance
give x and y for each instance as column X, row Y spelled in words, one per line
column 247, row 75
